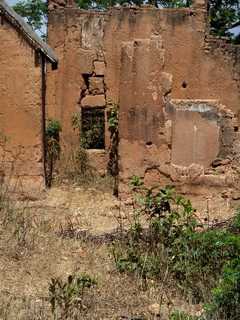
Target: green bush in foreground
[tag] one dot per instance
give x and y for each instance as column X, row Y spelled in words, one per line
column 226, row 296
column 203, row 261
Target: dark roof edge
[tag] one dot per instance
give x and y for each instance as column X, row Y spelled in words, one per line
column 28, row 32
column 235, row 25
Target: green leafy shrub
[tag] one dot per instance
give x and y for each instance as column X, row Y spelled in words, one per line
column 53, row 129
column 150, row 248
column 113, row 121
column 112, row 117
column 67, row 298
column 226, row 296
column 135, row 182
column 235, row 226
column 166, row 237
column 200, row 257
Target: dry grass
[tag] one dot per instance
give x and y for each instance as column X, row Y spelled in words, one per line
column 74, row 168
column 32, row 252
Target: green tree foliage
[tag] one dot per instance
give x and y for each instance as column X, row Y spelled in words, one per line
column 34, row 11
column 223, row 13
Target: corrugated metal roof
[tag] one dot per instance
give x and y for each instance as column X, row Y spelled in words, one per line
column 27, row 31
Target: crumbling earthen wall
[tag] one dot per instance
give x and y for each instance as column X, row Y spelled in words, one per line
column 147, row 59
column 21, row 150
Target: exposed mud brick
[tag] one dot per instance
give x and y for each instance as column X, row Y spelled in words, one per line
column 98, row 160
column 220, row 162
column 92, row 32
column 54, row 4
column 156, row 177
column 166, row 82
column 99, row 68
column 212, row 180
column 85, row 61
column 94, row 101
column 96, row 85
column 195, row 171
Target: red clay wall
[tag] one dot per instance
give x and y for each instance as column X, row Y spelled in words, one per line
column 150, row 56
column 21, row 154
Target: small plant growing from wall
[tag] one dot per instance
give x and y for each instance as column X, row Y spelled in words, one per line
column 135, row 182
column 80, row 170
column 53, row 149
column 113, row 121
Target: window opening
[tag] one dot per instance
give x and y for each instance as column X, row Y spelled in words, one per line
column 93, row 128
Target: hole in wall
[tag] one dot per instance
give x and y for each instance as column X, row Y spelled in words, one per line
column 184, row 84
column 85, row 87
column 86, row 79
column 236, row 128
column 149, row 143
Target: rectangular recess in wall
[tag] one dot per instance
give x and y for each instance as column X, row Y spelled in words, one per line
column 195, row 132
column 93, row 128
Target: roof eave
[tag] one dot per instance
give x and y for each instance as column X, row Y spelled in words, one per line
column 36, row 42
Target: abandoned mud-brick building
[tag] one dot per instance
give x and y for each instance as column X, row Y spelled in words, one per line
column 176, row 86
column 23, row 56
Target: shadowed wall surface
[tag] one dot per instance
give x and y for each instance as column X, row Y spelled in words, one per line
column 21, row 111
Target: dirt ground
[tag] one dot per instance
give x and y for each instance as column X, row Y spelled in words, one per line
column 49, row 243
